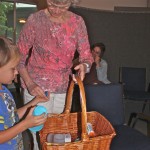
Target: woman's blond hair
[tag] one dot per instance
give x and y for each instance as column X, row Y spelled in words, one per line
column 73, row 2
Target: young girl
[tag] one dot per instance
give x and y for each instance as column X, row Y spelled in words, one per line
column 10, row 127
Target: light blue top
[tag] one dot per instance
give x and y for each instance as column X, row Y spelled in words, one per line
column 102, row 72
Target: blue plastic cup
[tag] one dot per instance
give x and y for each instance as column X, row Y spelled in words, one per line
column 39, row 110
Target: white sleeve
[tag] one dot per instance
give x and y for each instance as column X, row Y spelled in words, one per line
column 102, row 72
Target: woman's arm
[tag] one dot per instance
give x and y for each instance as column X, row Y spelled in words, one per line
column 83, row 47
column 25, row 43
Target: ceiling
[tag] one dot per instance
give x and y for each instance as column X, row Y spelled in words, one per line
column 22, row 1
column 40, row 3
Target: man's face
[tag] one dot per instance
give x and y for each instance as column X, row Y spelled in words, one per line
column 96, row 52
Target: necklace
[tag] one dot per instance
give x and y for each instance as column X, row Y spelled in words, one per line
column 63, row 18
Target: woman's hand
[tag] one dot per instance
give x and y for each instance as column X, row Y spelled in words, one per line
column 81, row 68
column 35, row 90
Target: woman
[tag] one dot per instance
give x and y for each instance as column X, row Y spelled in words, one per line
column 53, row 34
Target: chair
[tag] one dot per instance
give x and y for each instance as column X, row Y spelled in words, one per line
column 134, row 85
column 107, row 99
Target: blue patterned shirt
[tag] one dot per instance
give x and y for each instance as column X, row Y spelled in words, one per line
column 8, row 118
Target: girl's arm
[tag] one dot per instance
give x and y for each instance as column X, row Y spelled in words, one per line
column 21, row 111
column 28, row 122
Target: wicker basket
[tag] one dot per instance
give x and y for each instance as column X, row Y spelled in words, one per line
column 75, row 124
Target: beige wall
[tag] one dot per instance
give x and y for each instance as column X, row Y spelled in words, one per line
column 104, row 4
column 109, row 4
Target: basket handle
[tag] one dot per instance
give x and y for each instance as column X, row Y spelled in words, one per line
column 84, row 135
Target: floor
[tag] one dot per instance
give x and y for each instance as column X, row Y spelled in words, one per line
column 129, row 107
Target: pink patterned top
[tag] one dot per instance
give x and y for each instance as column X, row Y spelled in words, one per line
column 53, row 46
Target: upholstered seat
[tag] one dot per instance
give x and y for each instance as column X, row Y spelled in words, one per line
column 108, row 100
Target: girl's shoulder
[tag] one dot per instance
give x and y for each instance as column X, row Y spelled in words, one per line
column 5, row 90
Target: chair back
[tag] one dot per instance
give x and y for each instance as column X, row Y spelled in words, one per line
column 107, row 100
column 133, row 79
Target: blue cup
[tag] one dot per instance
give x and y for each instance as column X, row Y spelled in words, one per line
column 39, row 110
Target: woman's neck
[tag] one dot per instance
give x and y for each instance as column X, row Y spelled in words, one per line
column 62, row 19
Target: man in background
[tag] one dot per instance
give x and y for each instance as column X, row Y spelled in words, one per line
column 98, row 72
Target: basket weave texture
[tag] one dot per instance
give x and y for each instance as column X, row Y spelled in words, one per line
column 75, row 124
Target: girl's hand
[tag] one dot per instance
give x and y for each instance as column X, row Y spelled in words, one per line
column 39, row 99
column 31, row 121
